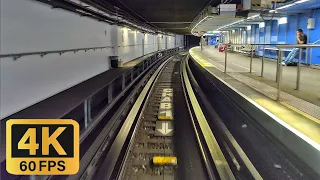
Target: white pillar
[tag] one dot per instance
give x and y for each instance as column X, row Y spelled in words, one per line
column 166, row 42
column 115, row 40
column 159, row 43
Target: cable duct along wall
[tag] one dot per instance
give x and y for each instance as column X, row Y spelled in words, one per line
column 102, row 11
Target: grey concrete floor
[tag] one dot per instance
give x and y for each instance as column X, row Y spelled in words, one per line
column 309, row 80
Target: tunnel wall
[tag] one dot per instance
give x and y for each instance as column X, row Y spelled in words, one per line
column 171, row 42
column 179, row 40
column 150, row 44
column 192, row 41
column 30, row 26
column 129, row 37
column 163, row 42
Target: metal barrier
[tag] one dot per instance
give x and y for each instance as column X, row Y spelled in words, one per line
column 280, row 49
column 251, row 57
column 315, row 42
column 279, row 69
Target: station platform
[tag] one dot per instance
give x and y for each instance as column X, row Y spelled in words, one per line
column 297, row 109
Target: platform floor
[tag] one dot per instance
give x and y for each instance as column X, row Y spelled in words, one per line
column 297, row 109
column 309, row 82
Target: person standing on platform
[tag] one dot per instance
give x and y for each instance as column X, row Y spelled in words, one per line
column 217, row 44
column 301, row 39
column 229, row 43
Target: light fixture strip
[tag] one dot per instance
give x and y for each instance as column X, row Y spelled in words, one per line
column 271, row 11
column 199, row 23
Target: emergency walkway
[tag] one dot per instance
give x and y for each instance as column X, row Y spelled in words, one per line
column 297, row 110
column 86, row 101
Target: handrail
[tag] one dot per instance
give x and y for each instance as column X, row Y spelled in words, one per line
column 254, row 44
column 280, row 45
column 136, row 45
column 298, row 45
column 15, row 56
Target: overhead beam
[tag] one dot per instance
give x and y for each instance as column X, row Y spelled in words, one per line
column 252, row 22
column 176, row 28
column 170, row 22
column 291, row 12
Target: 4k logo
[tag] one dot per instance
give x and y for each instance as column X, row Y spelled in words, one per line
column 42, row 147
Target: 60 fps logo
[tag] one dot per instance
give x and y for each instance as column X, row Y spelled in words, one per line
column 42, row 147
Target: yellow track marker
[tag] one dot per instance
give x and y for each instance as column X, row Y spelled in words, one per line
column 164, row 160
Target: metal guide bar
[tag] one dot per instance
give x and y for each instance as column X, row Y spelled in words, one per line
column 203, row 152
column 219, row 160
column 224, row 130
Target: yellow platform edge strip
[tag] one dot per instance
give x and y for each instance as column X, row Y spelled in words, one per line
column 301, row 112
column 201, row 61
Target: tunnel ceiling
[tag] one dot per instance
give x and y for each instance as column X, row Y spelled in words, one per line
column 169, row 15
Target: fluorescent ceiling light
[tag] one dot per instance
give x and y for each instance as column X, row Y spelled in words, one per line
column 261, row 25
column 271, row 11
column 286, row 6
column 301, row 1
column 212, row 32
column 289, row 5
column 283, row 20
column 254, row 16
column 199, row 23
column 251, row 17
